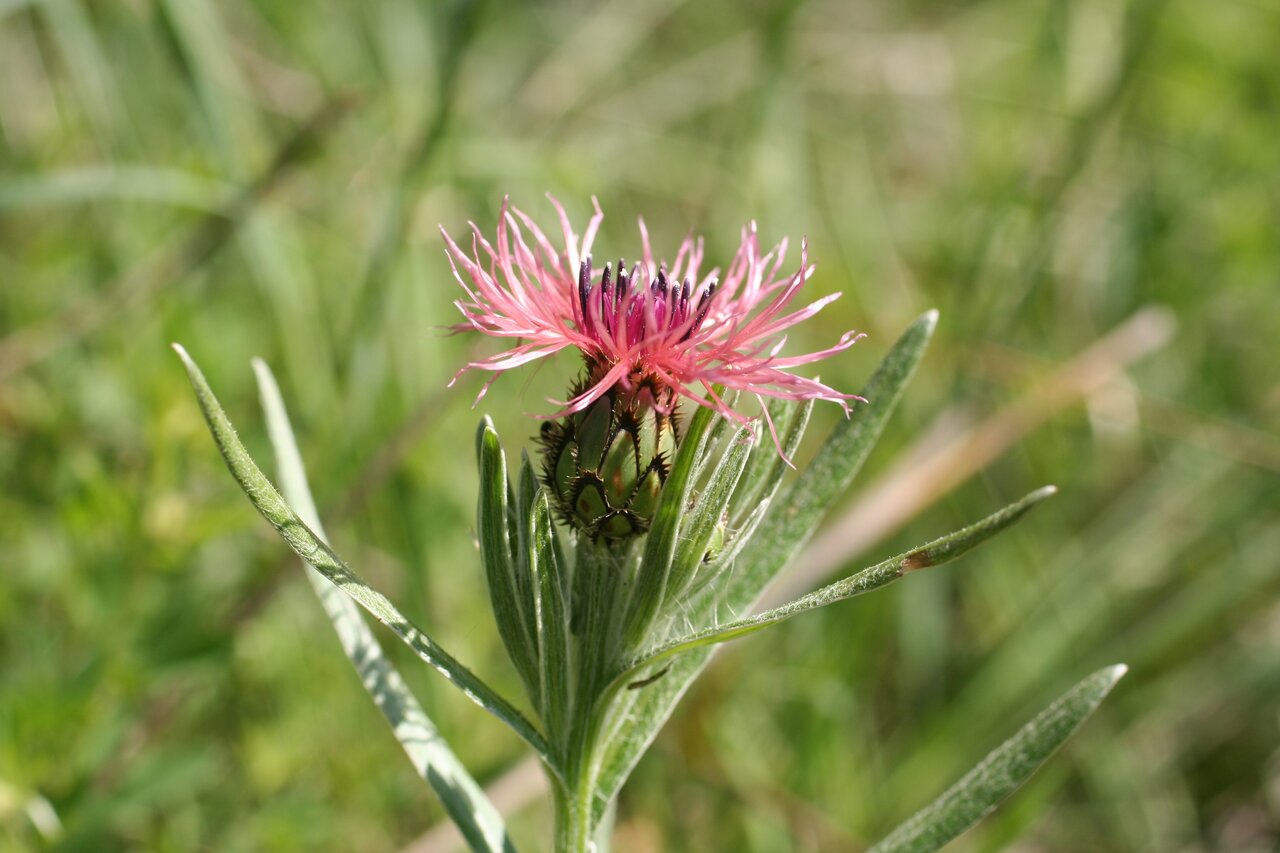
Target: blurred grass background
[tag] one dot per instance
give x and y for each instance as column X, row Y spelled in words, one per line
column 264, row 178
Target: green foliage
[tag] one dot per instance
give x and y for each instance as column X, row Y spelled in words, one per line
column 574, row 653
column 315, row 553
column 511, row 582
column 937, row 552
column 464, row 800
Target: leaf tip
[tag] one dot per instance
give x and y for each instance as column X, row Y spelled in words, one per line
column 929, row 319
column 262, row 372
column 193, row 370
column 1116, row 672
column 1033, row 500
column 485, row 432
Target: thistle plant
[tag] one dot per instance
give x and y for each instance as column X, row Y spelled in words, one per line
column 651, row 523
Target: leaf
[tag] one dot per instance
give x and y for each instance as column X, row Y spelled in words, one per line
column 514, row 615
column 464, row 800
column 1003, row 771
column 937, row 552
column 548, row 569
column 765, row 469
column 320, row 556
column 837, row 462
column 660, row 542
column 779, row 537
column 760, row 487
column 707, row 513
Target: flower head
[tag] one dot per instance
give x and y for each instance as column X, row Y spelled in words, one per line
column 654, row 330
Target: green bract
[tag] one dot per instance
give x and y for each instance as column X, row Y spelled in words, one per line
column 605, row 466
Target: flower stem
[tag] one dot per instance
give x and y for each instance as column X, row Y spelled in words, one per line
column 573, row 820
column 597, row 640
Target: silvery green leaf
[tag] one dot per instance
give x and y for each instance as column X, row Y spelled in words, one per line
column 660, row 542
column 937, row 552
column 754, row 497
column 765, row 470
column 510, row 596
column 1003, row 771
column 548, row 570
column 320, row 556
column 837, row 462
column 707, row 513
column 463, row 799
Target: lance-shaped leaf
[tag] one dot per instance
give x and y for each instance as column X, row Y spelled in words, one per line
column 463, row 799
column 754, row 497
column 764, row 471
column 793, row 519
column 320, row 556
column 1003, row 771
column 660, row 542
column 707, row 514
column 837, row 462
column 511, row 597
column 937, row 552
column 548, row 570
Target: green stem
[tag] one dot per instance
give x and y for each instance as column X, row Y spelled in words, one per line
column 576, row 797
column 596, row 658
column 573, row 823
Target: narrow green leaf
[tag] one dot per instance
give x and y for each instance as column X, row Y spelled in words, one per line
column 515, row 618
column 838, row 461
column 937, row 552
column 548, row 569
column 746, row 515
column 320, row 556
column 707, row 513
column 793, row 519
column 526, row 490
column 463, row 799
column 761, row 468
column 1003, row 771
column 660, row 542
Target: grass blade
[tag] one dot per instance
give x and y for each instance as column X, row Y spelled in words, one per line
column 320, row 556
column 1003, row 771
column 463, row 799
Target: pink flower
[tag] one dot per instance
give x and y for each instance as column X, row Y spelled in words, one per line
column 652, row 325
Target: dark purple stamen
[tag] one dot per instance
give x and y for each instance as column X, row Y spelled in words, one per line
column 606, row 315
column 660, row 284
column 704, row 305
column 584, row 293
column 670, row 305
